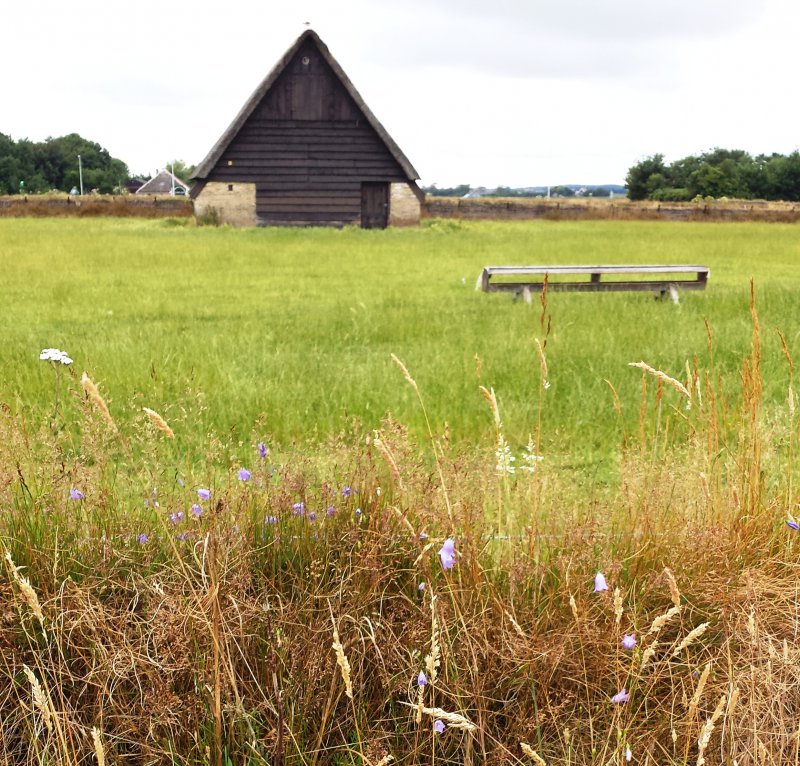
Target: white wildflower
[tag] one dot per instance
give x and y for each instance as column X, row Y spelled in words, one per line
column 55, row 355
column 505, row 460
column 530, row 458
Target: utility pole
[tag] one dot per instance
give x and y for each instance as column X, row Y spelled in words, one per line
column 80, row 173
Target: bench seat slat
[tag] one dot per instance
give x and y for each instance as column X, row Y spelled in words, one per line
column 658, row 277
column 666, row 269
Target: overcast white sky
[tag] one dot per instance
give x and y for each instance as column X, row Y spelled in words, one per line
column 485, row 92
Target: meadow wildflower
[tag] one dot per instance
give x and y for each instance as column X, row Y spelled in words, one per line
column 312, row 516
column 298, row 509
column 422, row 679
column 244, row 474
column 628, row 641
column 792, row 523
column 197, row 511
column 204, row 494
column 505, row 460
column 177, row 517
column 447, row 553
column 143, row 538
column 358, row 511
column 262, row 449
column 182, row 536
column 628, row 754
column 55, row 355
column 76, row 494
column 271, row 520
column 621, row 696
column 423, row 535
column 600, row 583
column 421, row 587
column 439, row 725
column 330, row 511
column 529, row 457
column 346, row 491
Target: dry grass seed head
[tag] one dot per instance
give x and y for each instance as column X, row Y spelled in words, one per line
column 403, row 520
column 159, row 422
column 422, row 553
column 454, row 720
column 659, row 375
column 573, row 606
column 647, row 654
column 491, row 398
column 40, row 701
column 99, row 752
column 699, row 690
column 675, row 594
column 514, row 624
column 532, row 754
column 708, row 730
column 406, row 373
column 660, row 621
column 341, row 659
column 432, row 661
column 26, row 591
column 387, row 455
column 690, row 638
column 97, row 400
column 617, row 605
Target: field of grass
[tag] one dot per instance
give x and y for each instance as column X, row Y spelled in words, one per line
column 632, row 598
column 294, row 329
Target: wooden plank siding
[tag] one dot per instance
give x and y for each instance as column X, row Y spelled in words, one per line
column 307, row 147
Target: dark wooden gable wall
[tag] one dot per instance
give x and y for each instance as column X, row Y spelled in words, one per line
column 308, row 148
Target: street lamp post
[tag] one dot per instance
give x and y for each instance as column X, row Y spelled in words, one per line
column 80, row 173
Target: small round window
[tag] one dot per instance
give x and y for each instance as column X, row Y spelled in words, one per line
column 305, row 60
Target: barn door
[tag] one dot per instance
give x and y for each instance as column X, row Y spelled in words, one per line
column 374, row 205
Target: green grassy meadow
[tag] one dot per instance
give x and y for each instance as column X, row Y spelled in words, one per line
column 293, row 329
column 382, row 586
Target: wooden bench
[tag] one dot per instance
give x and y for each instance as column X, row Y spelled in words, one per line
column 662, row 279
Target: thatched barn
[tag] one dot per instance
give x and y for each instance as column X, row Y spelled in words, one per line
column 305, row 150
column 163, row 182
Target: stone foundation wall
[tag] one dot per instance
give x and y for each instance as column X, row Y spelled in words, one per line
column 234, row 203
column 404, row 206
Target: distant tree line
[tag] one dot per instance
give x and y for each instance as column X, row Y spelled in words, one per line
column 447, row 191
column 508, row 191
column 718, row 173
column 52, row 164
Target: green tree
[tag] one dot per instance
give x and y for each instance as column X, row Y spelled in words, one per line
column 53, row 164
column 783, row 177
column 561, row 191
column 448, row 191
column 180, row 169
column 638, row 176
column 720, row 180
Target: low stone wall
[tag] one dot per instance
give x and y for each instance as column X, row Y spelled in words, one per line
column 35, row 206
column 499, row 209
column 405, row 209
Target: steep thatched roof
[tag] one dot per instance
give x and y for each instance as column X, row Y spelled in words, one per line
column 207, row 165
column 162, row 183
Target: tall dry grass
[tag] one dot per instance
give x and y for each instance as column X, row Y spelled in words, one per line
column 284, row 614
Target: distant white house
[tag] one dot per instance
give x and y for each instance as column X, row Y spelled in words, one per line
column 164, row 183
